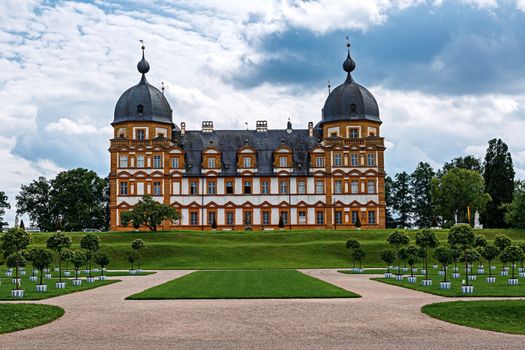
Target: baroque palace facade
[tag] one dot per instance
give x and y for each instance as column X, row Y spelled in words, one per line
column 325, row 176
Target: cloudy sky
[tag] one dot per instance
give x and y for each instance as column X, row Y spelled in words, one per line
column 448, row 75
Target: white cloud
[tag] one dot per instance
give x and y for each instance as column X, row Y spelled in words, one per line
column 482, row 4
column 520, row 4
column 70, row 127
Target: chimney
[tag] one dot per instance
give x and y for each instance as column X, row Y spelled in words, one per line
column 182, row 128
column 261, row 126
column 310, row 129
column 207, row 126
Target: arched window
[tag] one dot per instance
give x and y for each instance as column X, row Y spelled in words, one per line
column 140, row 109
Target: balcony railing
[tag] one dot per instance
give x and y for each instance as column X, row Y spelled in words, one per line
column 368, row 141
column 162, row 142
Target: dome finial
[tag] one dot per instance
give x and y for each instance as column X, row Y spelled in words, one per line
column 348, row 64
column 143, row 65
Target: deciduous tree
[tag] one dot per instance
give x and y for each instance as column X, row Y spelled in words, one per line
column 149, row 213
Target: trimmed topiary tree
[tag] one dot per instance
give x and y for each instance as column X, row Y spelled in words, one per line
column 41, row 259
column 502, row 241
column 490, row 253
column 512, row 254
column 66, row 256
column 78, row 258
column 398, row 239
column 13, row 243
column 138, row 245
column 426, row 239
column 57, row 242
column 412, row 255
column 403, row 256
column 444, row 256
column 101, row 260
column 352, row 244
column 91, row 244
column 358, row 254
column 132, row 258
column 388, row 256
column 462, row 236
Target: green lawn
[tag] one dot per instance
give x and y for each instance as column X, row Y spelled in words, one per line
column 15, row 317
column 30, row 292
column 250, row 250
column 496, row 315
column 244, row 285
column 481, row 287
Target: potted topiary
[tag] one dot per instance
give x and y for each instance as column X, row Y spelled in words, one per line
column 13, row 243
column 426, row 239
column 512, row 254
column 132, row 257
column 455, row 253
column 502, row 241
column 462, row 235
column 411, row 259
column 102, row 260
column 78, row 259
column 41, row 259
column 398, row 239
column 521, row 270
column 359, row 254
column 444, row 256
column 66, row 256
column 57, row 242
column 138, row 245
column 479, row 243
column 91, row 244
column 403, row 256
column 12, row 261
column 388, row 256
column 490, row 253
column 353, row 244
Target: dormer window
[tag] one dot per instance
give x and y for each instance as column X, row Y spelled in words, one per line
column 211, row 163
column 140, row 109
column 283, row 162
column 247, row 162
column 353, row 108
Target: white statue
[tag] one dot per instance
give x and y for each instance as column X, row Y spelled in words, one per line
column 476, row 221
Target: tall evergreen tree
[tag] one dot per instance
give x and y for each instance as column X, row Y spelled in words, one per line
column 389, row 186
column 4, row 204
column 499, row 182
column 402, row 199
column 469, row 162
column 421, row 186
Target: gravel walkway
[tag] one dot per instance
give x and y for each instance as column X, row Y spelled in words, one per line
column 386, row 317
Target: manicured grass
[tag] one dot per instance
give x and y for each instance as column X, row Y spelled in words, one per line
column 250, row 250
column 496, row 315
column 366, row 272
column 30, row 292
column 15, row 317
column 481, row 287
column 244, row 285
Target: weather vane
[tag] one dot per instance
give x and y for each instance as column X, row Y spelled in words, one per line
column 142, row 44
column 329, row 86
column 347, row 42
column 162, row 83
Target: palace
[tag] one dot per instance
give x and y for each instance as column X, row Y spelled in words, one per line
column 330, row 175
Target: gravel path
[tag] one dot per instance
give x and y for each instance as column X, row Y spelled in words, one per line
column 386, row 317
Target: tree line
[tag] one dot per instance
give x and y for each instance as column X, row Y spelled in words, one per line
column 454, row 194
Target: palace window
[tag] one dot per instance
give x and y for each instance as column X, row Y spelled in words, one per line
column 175, row 162
column 338, row 159
column 123, row 162
column 247, row 187
column 124, row 188
column 265, row 187
column 230, row 215
column 371, row 186
column 211, row 163
column 319, row 161
column 354, row 159
column 156, row 189
column 140, row 161
column 284, row 217
column 283, row 162
column 319, row 218
column 265, row 217
column 247, row 162
column 301, row 186
column 319, row 187
column 157, row 161
column 355, row 215
column 194, row 218
column 229, row 187
column 212, row 187
column 355, row 186
column 371, row 217
column 302, row 217
column 140, row 134
column 338, row 186
column 339, row 217
column 371, row 159
column 283, row 187
column 247, row 218
column 211, row 217
column 354, row 133
column 194, row 187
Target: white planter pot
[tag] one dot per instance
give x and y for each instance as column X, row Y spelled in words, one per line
column 441, row 273
column 56, row 269
column 491, row 279
column 103, row 278
column 15, row 280
column 67, row 273
column 388, row 275
column 467, row 289
column 481, row 271
column 46, row 270
column 90, row 280
column 47, row 276
column 10, row 269
column 434, row 267
column 455, row 269
column 504, row 273
column 404, row 269
column 493, row 267
column 9, row 273
column 96, row 270
column 358, row 271
column 132, row 272
column 86, row 271
column 77, row 282
column 60, row 285
column 480, row 266
column 469, row 270
column 34, row 271
column 22, row 273
column 445, row 285
column 17, row 293
column 41, row 288
column 354, row 269
column 521, row 269
column 414, row 270
column 455, row 275
column 472, row 277
column 506, row 268
column 399, row 277
column 33, row 278
column 427, row 283
column 521, row 274
column 140, row 270
column 513, row 281
column 423, row 271
column 412, row 279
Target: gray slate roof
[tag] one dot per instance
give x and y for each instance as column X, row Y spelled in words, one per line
column 230, row 141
